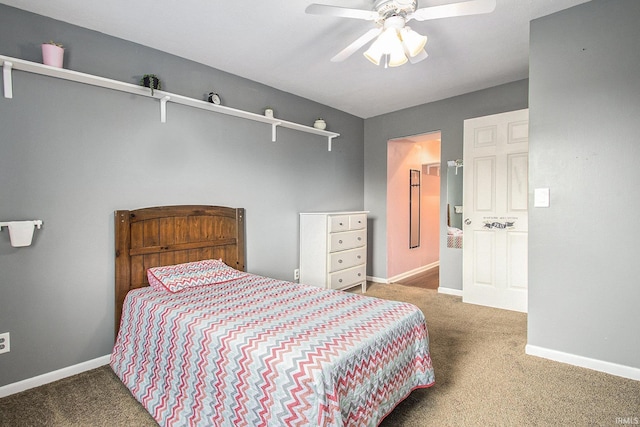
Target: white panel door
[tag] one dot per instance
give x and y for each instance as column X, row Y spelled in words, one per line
column 496, row 194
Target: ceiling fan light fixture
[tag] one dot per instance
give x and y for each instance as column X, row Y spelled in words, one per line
column 397, row 58
column 374, row 53
column 397, row 43
column 413, row 42
column 388, row 40
column 389, row 44
column 390, row 18
column 394, row 47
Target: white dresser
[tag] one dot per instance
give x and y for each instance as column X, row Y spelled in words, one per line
column 333, row 249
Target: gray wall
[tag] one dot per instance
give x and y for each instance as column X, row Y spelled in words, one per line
column 71, row 154
column 448, row 117
column 584, row 269
column 454, row 193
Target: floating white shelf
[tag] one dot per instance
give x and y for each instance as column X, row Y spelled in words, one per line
column 9, row 64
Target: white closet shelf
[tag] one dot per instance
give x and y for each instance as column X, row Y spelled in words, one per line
column 9, row 64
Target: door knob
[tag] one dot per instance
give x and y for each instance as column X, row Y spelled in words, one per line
column 467, row 221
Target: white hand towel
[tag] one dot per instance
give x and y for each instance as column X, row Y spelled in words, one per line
column 21, row 233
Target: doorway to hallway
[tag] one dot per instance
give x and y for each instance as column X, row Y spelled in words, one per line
column 418, row 157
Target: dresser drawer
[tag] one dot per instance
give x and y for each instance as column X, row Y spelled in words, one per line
column 347, row 240
column 347, row 259
column 357, row 221
column 338, row 223
column 346, row 278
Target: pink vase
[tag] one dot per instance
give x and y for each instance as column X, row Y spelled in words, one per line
column 52, row 55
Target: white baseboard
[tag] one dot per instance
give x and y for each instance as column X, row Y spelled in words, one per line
column 377, row 280
column 50, row 377
column 413, row 272
column 584, row 362
column 450, row 291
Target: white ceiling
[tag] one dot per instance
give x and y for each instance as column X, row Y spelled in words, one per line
column 274, row 42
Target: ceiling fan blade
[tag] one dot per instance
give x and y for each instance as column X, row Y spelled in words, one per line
column 342, row 12
column 464, row 8
column 353, row 47
column 422, row 55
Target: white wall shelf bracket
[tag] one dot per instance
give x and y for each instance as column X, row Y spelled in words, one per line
column 163, row 108
column 6, row 77
column 329, row 140
column 274, row 127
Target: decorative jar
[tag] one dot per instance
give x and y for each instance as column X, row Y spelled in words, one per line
column 320, row 124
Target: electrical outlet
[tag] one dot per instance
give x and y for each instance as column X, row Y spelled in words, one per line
column 5, row 346
column 296, row 274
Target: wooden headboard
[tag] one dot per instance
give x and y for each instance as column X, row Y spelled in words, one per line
column 167, row 235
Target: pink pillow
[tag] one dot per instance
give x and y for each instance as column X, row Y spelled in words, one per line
column 174, row 278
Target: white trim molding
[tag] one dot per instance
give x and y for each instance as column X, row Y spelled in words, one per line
column 450, row 291
column 584, row 362
column 50, row 377
column 413, row 272
column 404, row 275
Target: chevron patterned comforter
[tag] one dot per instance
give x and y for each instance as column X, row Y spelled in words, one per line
column 257, row 351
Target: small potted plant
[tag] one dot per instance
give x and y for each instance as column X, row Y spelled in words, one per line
column 151, row 81
column 52, row 54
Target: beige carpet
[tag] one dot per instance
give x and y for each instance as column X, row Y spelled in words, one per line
column 483, row 378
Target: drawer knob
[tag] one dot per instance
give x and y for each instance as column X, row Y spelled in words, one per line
column 359, row 257
column 339, row 280
column 359, row 238
column 359, row 274
column 341, row 224
column 340, row 241
column 339, row 261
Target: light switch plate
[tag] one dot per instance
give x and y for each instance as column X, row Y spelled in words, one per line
column 541, row 198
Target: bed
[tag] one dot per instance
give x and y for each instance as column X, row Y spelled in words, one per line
column 239, row 349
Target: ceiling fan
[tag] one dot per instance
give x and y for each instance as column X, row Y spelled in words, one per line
column 397, row 42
